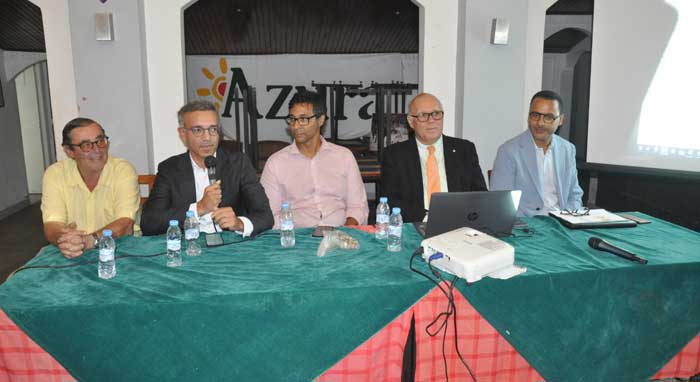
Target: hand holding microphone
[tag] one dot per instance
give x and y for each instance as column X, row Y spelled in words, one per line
column 602, row 245
column 210, row 200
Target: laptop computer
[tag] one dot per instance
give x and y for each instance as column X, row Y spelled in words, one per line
column 491, row 212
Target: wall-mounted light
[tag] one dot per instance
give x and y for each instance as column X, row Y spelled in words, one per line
column 104, row 29
column 499, row 31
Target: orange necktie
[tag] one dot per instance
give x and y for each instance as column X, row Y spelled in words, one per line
column 433, row 173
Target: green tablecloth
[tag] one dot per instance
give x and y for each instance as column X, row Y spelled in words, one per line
column 244, row 312
column 253, row 311
column 583, row 315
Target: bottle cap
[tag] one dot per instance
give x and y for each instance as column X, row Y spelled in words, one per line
column 383, row 199
column 285, row 205
column 189, row 214
column 174, row 222
column 107, row 232
column 396, row 210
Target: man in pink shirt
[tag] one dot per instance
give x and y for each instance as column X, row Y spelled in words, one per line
column 320, row 180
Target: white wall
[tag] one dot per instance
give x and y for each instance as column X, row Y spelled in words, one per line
column 165, row 52
column 59, row 53
column 28, row 108
column 497, row 81
column 110, row 85
column 438, row 38
column 14, row 186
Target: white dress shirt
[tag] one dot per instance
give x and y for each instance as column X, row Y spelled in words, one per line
column 206, row 224
column 440, row 157
column 545, row 168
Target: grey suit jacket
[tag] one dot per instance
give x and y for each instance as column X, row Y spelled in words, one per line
column 515, row 168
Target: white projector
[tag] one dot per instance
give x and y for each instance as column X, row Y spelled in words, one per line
column 468, row 253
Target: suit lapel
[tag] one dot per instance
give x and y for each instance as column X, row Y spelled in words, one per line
column 415, row 169
column 451, row 157
column 189, row 190
column 528, row 152
column 557, row 156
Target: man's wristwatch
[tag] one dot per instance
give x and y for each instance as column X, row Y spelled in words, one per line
column 96, row 240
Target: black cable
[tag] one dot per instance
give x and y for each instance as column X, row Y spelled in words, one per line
column 126, row 255
column 451, row 310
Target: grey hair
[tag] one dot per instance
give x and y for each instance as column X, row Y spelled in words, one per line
column 196, row 105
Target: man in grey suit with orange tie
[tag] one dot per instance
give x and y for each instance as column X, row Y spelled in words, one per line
column 539, row 163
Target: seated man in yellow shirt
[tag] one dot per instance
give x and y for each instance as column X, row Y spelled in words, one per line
column 88, row 192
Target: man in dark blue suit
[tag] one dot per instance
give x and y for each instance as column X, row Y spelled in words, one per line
column 236, row 201
column 539, row 163
column 428, row 162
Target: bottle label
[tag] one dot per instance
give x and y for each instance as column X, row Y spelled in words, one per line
column 286, row 225
column 192, row 234
column 106, row 255
column 382, row 219
column 174, row 245
column 395, row 231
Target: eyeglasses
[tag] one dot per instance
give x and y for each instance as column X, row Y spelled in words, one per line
column 535, row 116
column 582, row 212
column 86, row 146
column 197, row 131
column 424, row 117
column 303, row 121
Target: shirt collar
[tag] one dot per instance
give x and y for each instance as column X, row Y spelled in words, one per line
column 195, row 166
column 551, row 144
column 295, row 150
column 424, row 147
column 76, row 179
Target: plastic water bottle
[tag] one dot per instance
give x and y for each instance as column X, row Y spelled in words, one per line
column 287, row 237
column 173, row 243
column 107, row 267
column 382, row 219
column 192, row 234
column 393, row 243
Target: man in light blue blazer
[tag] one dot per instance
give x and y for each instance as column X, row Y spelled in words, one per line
column 539, row 163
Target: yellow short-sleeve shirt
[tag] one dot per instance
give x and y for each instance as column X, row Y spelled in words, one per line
column 65, row 197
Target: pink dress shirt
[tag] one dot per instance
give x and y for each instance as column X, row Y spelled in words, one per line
column 323, row 190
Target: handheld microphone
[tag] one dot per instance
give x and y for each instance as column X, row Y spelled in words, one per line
column 210, row 163
column 602, row 245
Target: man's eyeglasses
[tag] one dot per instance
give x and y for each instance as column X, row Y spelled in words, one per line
column 86, row 146
column 535, row 116
column 424, row 117
column 197, row 131
column 302, row 121
column 582, row 212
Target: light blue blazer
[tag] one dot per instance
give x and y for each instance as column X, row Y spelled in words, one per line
column 515, row 168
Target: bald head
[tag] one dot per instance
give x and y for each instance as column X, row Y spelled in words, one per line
column 425, row 118
column 421, row 97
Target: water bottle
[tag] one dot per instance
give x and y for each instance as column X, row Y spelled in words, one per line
column 287, row 237
column 192, row 234
column 173, row 237
column 107, row 267
column 382, row 219
column 393, row 243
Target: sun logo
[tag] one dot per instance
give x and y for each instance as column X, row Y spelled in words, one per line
column 218, row 85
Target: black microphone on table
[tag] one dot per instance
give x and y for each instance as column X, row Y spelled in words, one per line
column 210, row 164
column 602, row 245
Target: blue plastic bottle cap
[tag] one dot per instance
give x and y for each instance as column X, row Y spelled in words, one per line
column 174, row 222
column 383, row 199
column 107, row 232
column 396, row 210
column 189, row 214
column 285, row 205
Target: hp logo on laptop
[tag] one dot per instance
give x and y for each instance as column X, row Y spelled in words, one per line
column 471, row 216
